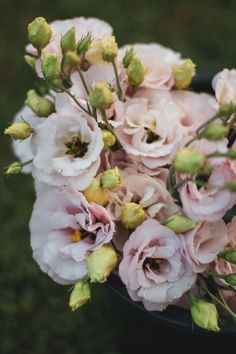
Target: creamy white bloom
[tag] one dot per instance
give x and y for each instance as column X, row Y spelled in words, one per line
column 224, row 84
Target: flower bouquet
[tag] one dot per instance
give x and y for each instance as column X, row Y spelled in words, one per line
column 135, row 174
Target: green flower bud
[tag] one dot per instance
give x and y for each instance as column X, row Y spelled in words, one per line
column 132, row 215
column 19, row 130
column 68, row 41
column 214, row 132
column 72, row 59
column 14, row 168
column 179, row 223
column 109, row 48
column 111, row 179
column 230, row 255
column 96, row 194
column 100, row 97
column 204, row 315
column 83, row 44
column 231, row 185
column 39, row 33
column 51, row 65
column 230, row 279
column 189, row 161
column 128, row 57
column 80, row 295
column 183, row 74
column 108, row 139
column 30, row 61
column 231, row 154
column 41, row 106
column 101, row 262
column 135, row 72
column 226, row 110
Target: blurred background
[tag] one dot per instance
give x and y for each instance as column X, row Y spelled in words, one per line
column 34, row 317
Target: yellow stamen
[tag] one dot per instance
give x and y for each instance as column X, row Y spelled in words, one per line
column 76, row 236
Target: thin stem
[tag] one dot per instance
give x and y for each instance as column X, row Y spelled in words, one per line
column 117, row 80
column 216, row 275
column 83, row 80
column 77, row 102
column 109, row 127
column 181, row 183
column 27, row 162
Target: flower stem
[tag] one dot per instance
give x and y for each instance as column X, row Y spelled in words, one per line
column 117, row 81
column 77, row 102
column 109, row 127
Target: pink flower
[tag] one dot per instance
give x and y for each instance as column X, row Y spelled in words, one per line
column 153, row 268
column 210, row 202
column 151, row 133
column 158, row 63
column 224, row 84
column 67, row 149
column 58, row 214
column 204, row 243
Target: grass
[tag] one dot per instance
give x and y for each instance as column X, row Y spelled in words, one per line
column 33, row 310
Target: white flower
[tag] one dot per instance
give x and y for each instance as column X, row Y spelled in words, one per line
column 224, row 84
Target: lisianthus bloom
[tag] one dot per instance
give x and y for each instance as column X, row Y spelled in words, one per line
column 224, row 84
column 158, row 63
column 147, row 191
column 151, row 133
column 64, row 228
column 83, row 26
column 153, row 267
column 204, row 243
column 209, row 202
column 67, row 149
column 22, row 148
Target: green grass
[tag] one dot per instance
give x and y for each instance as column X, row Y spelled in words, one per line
column 33, row 310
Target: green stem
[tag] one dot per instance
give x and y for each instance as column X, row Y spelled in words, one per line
column 83, row 80
column 109, row 127
column 77, row 102
column 27, row 162
column 117, row 81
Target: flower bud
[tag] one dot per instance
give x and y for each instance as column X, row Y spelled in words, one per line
column 128, row 57
column 132, row 215
column 100, row 97
column 231, row 154
column 111, row 179
column 72, row 59
column 41, row 106
column 96, row 194
column 68, row 41
column 183, row 74
column 230, row 279
column 39, row 33
column 214, row 132
column 109, row 48
column 30, row 61
column 135, row 72
column 231, row 185
column 230, row 255
column 80, row 294
column 84, row 44
column 51, row 65
column 19, row 130
column 204, row 314
column 226, row 110
column 101, row 262
column 108, row 139
column 14, row 168
column 189, row 161
column 179, row 223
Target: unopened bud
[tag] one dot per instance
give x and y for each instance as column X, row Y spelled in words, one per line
column 68, row 41
column 230, row 279
column 135, row 72
column 111, row 179
column 83, row 44
column 231, row 185
column 183, row 74
column 14, row 168
column 179, row 223
column 108, row 139
column 109, row 48
column 51, row 65
column 96, row 194
column 101, row 97
column 19, row 130
column 39, row 33
column 30, row 61
column 80, row 294
column 72, row 59
column 41, row 106
column 101, row 262
column 214, row 132
column 128, row 57
column 227, row 110
column 132, row 215
column 189, row 161
column 230, row 255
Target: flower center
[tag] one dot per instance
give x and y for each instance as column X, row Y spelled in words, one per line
column 154, row 263
column 76, row 147
column 151, row 136
column 79, row 235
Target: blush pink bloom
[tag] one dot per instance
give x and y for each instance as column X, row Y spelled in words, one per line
column 158, row 63
column 202, row 244
column 224, row 84
column 160, row 285
column 162, row 119
column 57, row 214
column 52, row 164
column 210, row 202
